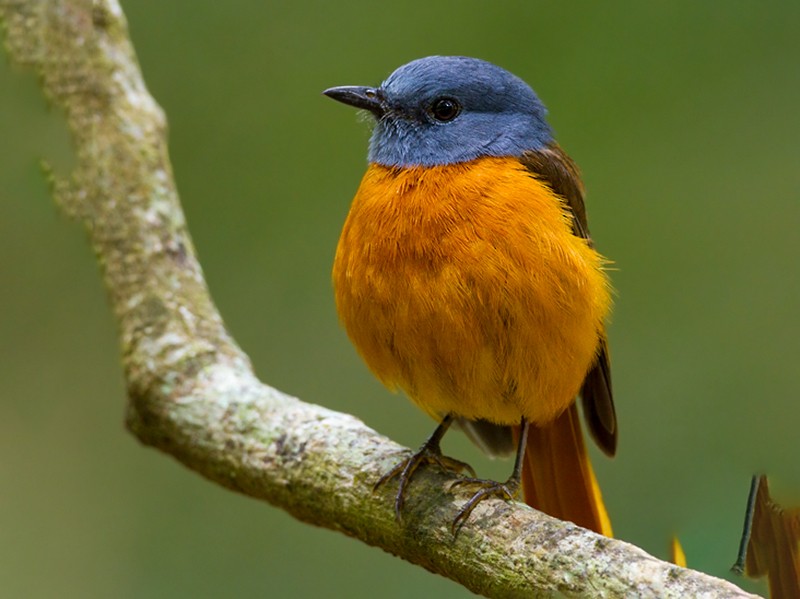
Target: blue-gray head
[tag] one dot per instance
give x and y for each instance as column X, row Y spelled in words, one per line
column 446, row 109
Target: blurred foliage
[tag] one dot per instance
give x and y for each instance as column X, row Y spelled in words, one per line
column 683, row 116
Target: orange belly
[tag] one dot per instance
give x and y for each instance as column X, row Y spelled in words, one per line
column 463, row 286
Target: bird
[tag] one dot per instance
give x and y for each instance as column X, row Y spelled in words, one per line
column 466, row 277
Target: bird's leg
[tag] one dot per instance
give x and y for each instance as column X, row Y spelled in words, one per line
column 490, row 488
column 429, row 453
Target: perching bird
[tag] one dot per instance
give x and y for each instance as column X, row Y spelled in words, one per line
column 466, row 277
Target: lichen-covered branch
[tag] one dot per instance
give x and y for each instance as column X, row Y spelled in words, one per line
column 192, row 393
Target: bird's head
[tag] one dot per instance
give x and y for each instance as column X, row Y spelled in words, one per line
column 449, row 109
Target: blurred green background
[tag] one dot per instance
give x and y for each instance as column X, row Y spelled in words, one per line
column 684, row 119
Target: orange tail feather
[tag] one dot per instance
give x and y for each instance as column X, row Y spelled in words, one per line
column 557, row 476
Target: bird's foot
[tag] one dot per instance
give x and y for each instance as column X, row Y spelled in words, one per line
column 429, row 453
column 486, row 489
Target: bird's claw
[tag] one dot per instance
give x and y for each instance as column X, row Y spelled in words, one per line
column 488, row 488
column 406, row 468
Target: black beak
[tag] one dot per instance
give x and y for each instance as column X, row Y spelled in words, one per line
column 369, row 98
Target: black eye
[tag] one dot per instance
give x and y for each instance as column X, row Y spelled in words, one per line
column 445, row 109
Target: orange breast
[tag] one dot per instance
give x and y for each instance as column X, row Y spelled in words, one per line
column 463, row 286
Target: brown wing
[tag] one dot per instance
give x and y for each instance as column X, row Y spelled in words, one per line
column 774, row 545
column 552, row 166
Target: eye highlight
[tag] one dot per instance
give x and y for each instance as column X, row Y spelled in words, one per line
column 445, row 109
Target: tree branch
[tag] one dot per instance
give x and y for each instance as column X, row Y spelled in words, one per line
column 192, row 392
